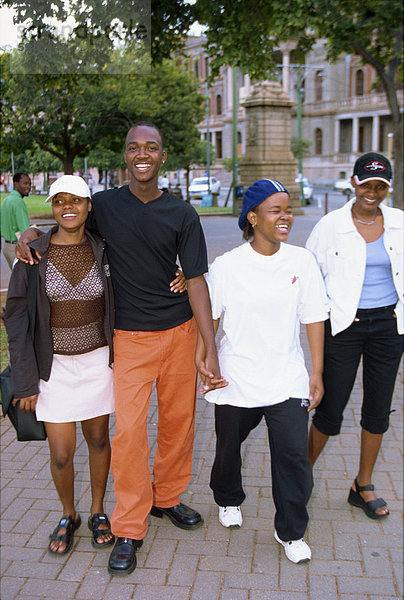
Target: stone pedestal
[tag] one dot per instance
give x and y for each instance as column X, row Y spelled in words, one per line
column 268, row 154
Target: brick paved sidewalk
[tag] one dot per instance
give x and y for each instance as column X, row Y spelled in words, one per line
column 354, row 558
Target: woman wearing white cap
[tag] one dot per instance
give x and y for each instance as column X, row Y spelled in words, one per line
column 359, row 249
column 263, row 290
column 63, row 374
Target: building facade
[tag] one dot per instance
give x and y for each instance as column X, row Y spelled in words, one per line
column 344, row 112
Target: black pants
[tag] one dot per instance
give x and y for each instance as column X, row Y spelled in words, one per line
column 292, row 479
column 373, row 337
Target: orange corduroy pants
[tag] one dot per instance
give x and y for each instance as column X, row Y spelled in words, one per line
column 140, row 358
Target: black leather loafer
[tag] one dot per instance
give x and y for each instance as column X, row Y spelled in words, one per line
column 180, row 515
column 123, row 557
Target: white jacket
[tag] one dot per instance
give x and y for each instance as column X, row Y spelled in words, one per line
column 341, row 253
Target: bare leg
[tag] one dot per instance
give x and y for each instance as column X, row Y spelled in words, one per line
column 62, row 445
column 96, row 434
column 317, row 441
column 370, row 447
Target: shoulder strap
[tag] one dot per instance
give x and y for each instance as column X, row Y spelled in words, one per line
column 31, row 297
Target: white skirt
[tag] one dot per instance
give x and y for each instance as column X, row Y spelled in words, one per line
column 80, row 387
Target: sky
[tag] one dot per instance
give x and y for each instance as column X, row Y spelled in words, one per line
column 8, row 31
column 9, row 36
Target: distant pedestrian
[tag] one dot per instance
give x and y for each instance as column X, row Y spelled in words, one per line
column 359, row 249
column 14, row 215
column 262, row 291
column 164, row 183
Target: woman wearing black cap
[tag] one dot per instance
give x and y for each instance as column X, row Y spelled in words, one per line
column 359, row 249
column 264, row 290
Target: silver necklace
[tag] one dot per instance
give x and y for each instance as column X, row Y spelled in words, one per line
column 365, row 222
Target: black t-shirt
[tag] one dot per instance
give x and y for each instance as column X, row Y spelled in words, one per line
column 143, row 242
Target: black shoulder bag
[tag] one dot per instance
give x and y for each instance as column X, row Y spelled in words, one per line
column 25, row 423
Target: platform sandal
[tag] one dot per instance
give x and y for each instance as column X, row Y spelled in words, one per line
column 67, row 538
column 94, row 523
column 370, row 507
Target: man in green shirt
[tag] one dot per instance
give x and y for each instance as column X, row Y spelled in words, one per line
column 14, row 215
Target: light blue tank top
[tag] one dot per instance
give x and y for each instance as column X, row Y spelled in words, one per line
column 378, row 286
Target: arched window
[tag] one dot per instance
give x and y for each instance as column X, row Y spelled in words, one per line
column 359, row 83
column 318, row 141
column 218, row 104
column 318, row 86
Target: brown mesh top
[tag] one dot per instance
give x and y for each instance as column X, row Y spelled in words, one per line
column 76, row 295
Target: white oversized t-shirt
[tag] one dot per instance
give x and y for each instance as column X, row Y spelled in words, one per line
column 262, row 301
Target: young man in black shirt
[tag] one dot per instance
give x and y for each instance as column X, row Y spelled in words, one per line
column 155, row 338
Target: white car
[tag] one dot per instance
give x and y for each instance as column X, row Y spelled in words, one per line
column 344, row 185
column 307, row 189
column 199, row 186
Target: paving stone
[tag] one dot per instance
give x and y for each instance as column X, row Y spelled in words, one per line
column 265, row 595
column 232, row 594
column 183, row 570
column 161, row 554
column 206, row 586
column 205, row 548
column 47, row 588
column 251, row 581
column 34, row 570
column 153, row 592
column 292, row 577
column 366, row 585
column 225, row 564
column 118, row 591
column 93, row 585
column 335, row 567
column 322, row 587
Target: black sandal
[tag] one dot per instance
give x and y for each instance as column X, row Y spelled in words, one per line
column 68, row 537
column 94, row 523
column 370, row 507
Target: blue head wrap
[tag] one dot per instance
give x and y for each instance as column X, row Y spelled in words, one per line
column 257, row 193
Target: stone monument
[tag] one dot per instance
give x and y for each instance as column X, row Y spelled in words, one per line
column 268, row 154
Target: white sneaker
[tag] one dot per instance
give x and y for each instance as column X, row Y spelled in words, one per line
column 230, row 516
column 296, row 550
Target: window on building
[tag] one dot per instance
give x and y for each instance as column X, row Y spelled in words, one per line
column 359, row 83
column 318, row 140
column 318, row 86
column 196, row 67
column 239, row 143
column 345, row 136
column 218, row 104
column 219, row 144
column 207, row 70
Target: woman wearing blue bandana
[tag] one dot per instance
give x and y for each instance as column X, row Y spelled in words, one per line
column 262, row 291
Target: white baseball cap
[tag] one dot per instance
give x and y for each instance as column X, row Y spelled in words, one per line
column 72, row 184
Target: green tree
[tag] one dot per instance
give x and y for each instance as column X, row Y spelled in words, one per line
column 69, row 116
column 371, row 29
column 300, row 147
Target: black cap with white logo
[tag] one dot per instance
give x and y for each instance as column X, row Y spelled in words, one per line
column 372, row 166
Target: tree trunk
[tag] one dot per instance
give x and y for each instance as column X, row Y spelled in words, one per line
column 68, row 165
column 398, row 155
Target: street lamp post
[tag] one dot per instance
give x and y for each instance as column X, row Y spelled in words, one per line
column 235, row 123
column 208, row 136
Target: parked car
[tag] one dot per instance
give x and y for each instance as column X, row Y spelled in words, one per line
column 307, row 189
column 199, row 186
column 344, row 185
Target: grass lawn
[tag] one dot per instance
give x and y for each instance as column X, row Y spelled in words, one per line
column 36, row 205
